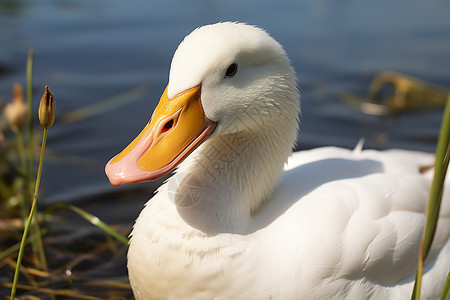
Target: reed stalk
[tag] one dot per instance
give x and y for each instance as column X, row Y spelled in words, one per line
column 30, row 218
column 24, row 205
column 434, row 201
column 446, row 288
column 46, row 118
column 37, row 243
column 29, row 74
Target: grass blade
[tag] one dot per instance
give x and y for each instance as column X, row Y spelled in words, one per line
column 99, row 223
column 91, row 219
column 16, row 247
column 29, row 74
column 434, row 201
column 29, row 221
column 446, row 288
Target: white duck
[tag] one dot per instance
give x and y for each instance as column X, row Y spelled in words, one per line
column 235, row 222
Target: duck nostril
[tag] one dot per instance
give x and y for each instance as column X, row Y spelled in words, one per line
column 167, row 126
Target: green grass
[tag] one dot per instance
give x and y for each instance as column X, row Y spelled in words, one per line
column 48, row 114
column 27, row 191
column 91, row 219
column 434, row 201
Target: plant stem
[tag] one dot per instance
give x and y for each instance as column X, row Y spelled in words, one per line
column 15, row 248
column 37, row 243
column 434, row 201
column 24, row 207
column 30, row 116
column 37, row 230
column 446, row 287
column 40, row 245
column 30, row 218
column 23, row 158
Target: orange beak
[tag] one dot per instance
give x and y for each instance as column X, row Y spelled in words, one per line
column 178, row 126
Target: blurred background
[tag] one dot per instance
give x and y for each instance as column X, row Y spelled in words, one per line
column 107, row 63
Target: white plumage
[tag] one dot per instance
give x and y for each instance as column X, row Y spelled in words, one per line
column 236, row 222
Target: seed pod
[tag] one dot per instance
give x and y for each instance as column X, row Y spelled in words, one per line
column 47, row 109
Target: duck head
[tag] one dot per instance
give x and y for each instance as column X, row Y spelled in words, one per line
column 219, row 73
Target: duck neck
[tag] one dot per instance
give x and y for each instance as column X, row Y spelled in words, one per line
column 228, row 178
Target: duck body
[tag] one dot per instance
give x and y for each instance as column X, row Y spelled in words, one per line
column 346, row 225
column 244, row 218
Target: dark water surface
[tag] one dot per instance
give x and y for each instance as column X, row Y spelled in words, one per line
column 89, row 51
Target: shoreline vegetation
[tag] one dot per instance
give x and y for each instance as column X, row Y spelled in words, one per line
column 20, row 188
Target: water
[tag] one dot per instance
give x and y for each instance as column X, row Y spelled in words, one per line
column 88, row 51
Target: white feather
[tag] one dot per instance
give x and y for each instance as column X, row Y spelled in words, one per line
column 236, row 222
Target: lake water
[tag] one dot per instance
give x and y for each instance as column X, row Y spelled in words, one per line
column 90, row 51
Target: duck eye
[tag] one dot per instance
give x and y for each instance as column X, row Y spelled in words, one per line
column 231, row 71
